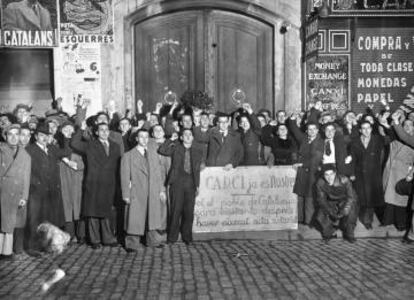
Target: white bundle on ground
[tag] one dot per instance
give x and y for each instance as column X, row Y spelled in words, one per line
column 57, row 275
column 54, row 241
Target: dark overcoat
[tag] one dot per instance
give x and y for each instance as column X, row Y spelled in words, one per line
column 14, row 186
column 310, row 156
column 368, row 171
column 101, row 176
column 72, row 187
column 45, row 196
column 251, row 143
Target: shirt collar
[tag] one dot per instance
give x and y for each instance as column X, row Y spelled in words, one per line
column 44, row 148
column 141, row 149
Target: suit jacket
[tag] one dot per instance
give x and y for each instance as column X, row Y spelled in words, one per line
column 20, row 16
column 222, row 153
column 177, row 151
column 368, row 171
column 340, row 154
column 101, row 175
column 14, row 186
column 142, row 182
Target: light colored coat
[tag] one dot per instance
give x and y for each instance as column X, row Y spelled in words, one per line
column 399, row 159
column 14, row 185
column 20, row 16
column 143, row 185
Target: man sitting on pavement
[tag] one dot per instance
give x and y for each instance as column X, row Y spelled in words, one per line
column 336, row 204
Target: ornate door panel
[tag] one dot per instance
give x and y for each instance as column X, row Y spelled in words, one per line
column 227, row 54
column 241, row 61
column 168, row 56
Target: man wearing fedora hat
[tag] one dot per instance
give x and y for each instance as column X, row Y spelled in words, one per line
column 14, row 191
column 45, row 197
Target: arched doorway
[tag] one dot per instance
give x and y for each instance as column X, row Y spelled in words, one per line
column 229, row 55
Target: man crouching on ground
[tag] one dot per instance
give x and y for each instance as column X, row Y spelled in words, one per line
column 336, row 204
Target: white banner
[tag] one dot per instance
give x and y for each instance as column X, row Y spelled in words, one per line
column 246, row 199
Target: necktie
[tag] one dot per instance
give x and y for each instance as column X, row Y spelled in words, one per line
column 222, row 137
column 106, row 146
column 145, row 154
column 36, row 9
column 328, row 149
column 187, row 164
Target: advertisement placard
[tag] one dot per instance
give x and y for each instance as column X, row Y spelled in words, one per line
column 29, row 23
column 327, row 80
column 86, row 21
column 382, row 68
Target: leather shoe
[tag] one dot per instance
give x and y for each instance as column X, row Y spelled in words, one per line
column 351, row 240
column 327, row 239
column 130, row 250
column 7, row 257
column 188, row 243
column 159, row 246
column 115, row 244
column 96, row 246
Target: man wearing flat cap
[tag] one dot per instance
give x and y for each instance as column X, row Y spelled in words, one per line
column 336, row 204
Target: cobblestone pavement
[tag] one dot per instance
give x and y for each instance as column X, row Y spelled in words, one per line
column 227, row 269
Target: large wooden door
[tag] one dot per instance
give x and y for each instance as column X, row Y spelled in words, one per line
column 169, row 56
column 229, row 55
column 240, row 61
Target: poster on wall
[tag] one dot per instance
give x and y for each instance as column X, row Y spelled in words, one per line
column 29, row 23
column 327, row 80
column 86, row 21
column 81, row 76
column 383, row 68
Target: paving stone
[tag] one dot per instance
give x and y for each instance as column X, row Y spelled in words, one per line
column 369, row 269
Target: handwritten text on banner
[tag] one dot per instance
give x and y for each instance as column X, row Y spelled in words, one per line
column 246, row 199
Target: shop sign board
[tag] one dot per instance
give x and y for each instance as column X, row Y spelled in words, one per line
column 382, row 68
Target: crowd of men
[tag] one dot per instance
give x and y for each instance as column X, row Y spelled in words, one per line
column 132, row 179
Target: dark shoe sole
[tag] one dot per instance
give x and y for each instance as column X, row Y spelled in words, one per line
column 407, row 240
column 96, row 246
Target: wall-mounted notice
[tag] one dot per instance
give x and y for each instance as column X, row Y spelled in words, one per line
column 86, row 21
column 246, row 199
column 383, row 67
column 327, row 80
column 311, row 38
column 29, row 23
column 80, row 73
